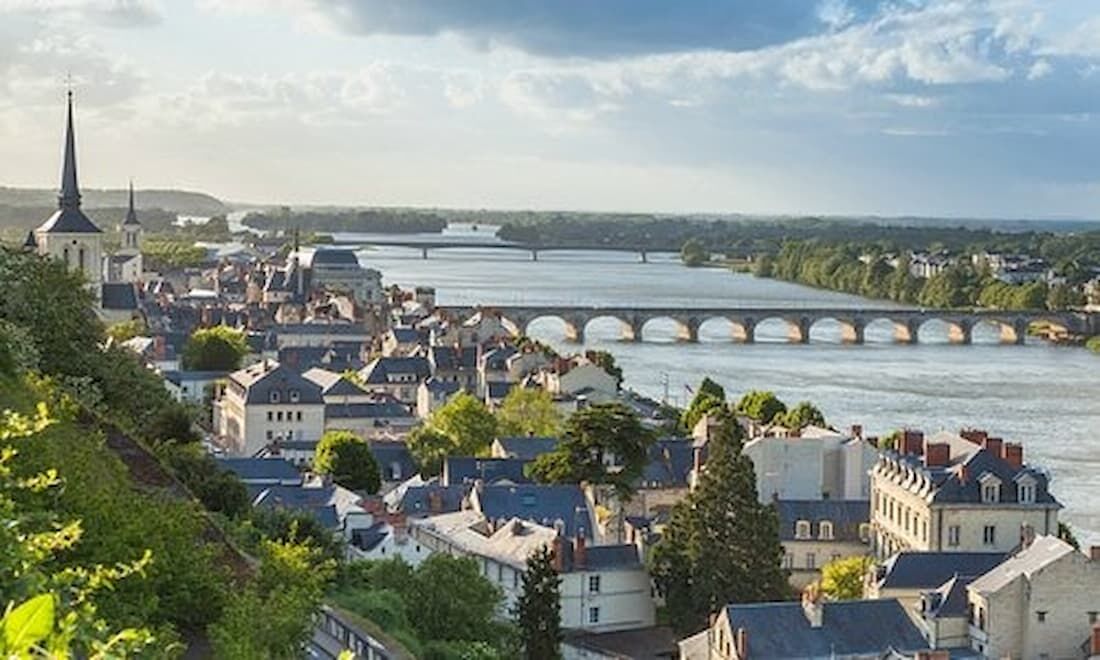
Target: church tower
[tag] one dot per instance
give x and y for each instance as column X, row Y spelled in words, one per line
column 126, row 265
column 131, row 229
column 68, row 234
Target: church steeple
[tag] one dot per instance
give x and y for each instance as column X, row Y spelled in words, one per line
column 70, row 189
column 131, row 211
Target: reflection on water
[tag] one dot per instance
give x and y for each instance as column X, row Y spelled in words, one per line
column 1044, row 396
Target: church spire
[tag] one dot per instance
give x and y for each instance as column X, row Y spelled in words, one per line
column 70, row 190
column 131, row 211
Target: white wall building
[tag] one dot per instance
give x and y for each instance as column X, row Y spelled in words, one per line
column 266, row 403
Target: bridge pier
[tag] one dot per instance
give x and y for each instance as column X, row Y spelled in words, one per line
column 534, row 255
column 424, row 253
column 632, row 330
column 851, row 332
column 1014, row 333
column 574, row 332
column 744, row 331
column 906, row 332
column 799, row 330
column 645, row 257
column 960, row 332
column 688, row 331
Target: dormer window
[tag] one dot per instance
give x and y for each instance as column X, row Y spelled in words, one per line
column 1026, row 489
column 991, row 488
column 295, row 396
column 825, row 531
column 274, row 396
column 802, row 529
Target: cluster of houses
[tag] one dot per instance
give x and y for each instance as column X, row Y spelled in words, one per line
column 1008, row 268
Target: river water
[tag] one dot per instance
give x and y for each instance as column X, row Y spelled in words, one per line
column 1044, row 396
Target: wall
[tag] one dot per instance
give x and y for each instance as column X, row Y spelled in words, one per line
column 787, row 468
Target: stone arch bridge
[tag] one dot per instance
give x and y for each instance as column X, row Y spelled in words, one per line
column 1013, row 325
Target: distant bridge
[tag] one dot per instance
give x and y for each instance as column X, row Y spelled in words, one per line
column 907, row 323
column 534, row 250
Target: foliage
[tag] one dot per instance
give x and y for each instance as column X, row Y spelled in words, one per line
column 762, row 406
column 461, row 427
column 721, row 545
column 288, row 526
column 126, row 330
column 802, row 415
column 375, row 221
column 1093, row 344
column 1065, row 532
column 171, row 254
column 842, row 579
column 18, row 353
column 538, row 610
column 173, row 424
column 593, row 436
column 348, row 459
column 273, row 616
column 708, row 397
column 219, row 348
column 449, row 607
column 528, row 411
column 219, row 490
column 694, row 253
column 606, row 361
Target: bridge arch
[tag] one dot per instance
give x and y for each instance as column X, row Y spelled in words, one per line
column 627, row 330
column 849, row 328
column 686, row 326
column 959, row 329
column 573, row 326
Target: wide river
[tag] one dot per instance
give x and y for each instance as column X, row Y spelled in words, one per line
column 1044, row 396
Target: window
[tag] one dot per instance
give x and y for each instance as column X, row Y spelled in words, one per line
column 81, row 253
column 1041, row 616
column 865, row 532
column 811, row 561
column 989, row 535
column 299, row 415
column 594, row 583
column 279, row 416
column 991, row 492
column 270, row 416
column 274, row 396
column 270, row 435
column 1026, row 493
column 788, row 561
column 593, row 615
column 802, row 529
column 1092, row 617
column 295, row 396
column 65, row 254
column 500, row 573
column 825, row 530
column 953, row 535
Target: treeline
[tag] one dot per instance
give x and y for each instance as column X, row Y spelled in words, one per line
column 15, row 221
column 854, row 269
column 373, row 221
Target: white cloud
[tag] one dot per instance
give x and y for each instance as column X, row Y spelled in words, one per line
column 110, row 13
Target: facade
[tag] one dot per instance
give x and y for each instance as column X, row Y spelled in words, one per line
column 908, row 575
column 816, row 463
column 267, row 403
column 340, row 270
column 603, row 588
column 398, row 377
column 815, row 532
column 957, row 493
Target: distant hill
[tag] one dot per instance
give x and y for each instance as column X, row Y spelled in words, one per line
column 180, row 202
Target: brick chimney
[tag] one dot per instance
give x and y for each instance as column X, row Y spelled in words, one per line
column 937, row 454
column 912, row 442
column 1094, row 641
column 977, row 436
column 857, row 431
column 995, row 446
column 741, row 643
column 1094, row 553
column 1013, row 454
column 580, row 552
column 160, row 347
column 556, row 552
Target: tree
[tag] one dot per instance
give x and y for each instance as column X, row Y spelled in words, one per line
column 453, row 600
column 763, row 406
column 126, row 330
column 529, row 411
column 467, row 422
column 1063, row 297
column 1065, row 532
column 219, row 348
column 721, row 544
column 430, row 448
column 592, row 438
column 694, row 253
column 802, row 415
column 842, row 579
column 347, row 458
column 708, row 397
column 538, row 610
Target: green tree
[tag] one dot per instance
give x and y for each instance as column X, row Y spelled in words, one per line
column 694, row 253
column 593, row 436
column 708, row 397
column 467, row 423
column 721, row 545
column 430, row 448
column 453, row 601
column 1062, row 297
column 1065, row 532
column 842, row 579
column 763, row 406
column 538, row 611
column 529, row 411
column 126, row 330
column 802, row 415
column 219, row 348
column 347, row 458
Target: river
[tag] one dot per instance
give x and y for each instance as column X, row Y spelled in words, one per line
column 1044, row 396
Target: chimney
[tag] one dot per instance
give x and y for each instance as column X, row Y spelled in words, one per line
column 1094, row 553
column 580, row 552
column 912, row 442
column 995, row 446
column 1027, row 536
column 741, row 643
column 977, row 436
column 964, row 474
column 1013, row 454
column 937, row 454
column 1094, row 641
column 160, row 347
column 435, row 501
column 556, row 551
column 812, row 606
column 857, row 431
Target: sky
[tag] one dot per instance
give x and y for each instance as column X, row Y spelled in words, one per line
column 967, row 108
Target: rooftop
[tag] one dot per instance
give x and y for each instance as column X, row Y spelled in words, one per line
column 929, row 570
column 1042, row 552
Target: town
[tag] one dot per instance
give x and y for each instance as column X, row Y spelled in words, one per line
column 733, row 529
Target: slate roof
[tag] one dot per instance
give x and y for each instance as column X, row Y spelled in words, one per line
column 69, row 221
column 845, row 515
column 263, row 378
column 950, row 487
column 497, row 358
column 949, row 601
column 449, row 358
column 333, row 257
column 929, row 570
column 260, row 470
column 781, row 630
column 657, row 643
column 380, row 370
column 444, row 387
column 368, row 539
column 527, row 448
column 622, row 556
column 178, row 377
column 332, row 383
column 120, row 296
column 542, row 504
column 498, row 391
column 316, row 501
column 1042, row 552
column 670, row 463
column 393, row 457
column 336, row 357
column 320, row 329
column 418, row 499
column 463, row 469
column 388, row 408
column 406, row 335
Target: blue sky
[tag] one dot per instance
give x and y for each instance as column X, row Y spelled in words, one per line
column 976, row 108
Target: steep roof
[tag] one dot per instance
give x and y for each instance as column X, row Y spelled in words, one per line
column 1042, row 552
column 781, row 630
column 380, row 370
column 394, row 460
column 69, row 219
column 432, row 499
column 845, row 515
column 333, row 257
column 527, row 448
column 388, row 408
column 538, row 503
column 332, row 383
column 670, row 461
column 131, row 211
column 463, row 469
column 260, row 470
column 120, row 296
column 262, row 379
column 929, row 570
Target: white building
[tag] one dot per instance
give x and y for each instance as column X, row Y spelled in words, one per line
column 815, row 464
column 267, row 403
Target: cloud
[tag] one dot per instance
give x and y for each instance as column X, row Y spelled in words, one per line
column 109, row 13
